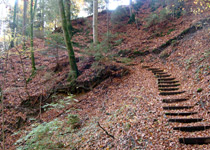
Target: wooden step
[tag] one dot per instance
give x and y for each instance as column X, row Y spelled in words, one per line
column 145, row 66
column 162, row 76
column 168, row 85
column 181, row 114
column 185, row 120
column 161, row 73
column 195, row 140
column 176, row 107
column 167, row 82
column 174, row 100
column 154, row 69
column 157, row 71
column 166, row 79
column 168, row 89
column 192, row 128
column 171, row 93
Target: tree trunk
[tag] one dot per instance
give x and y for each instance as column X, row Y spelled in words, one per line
column 68, row 16
column 107, row 17
column 24, row 23
column 130, row 6
column 32, row 13
column 14, row 24
column 95, row 21
column 72, row 60
column 42, row 17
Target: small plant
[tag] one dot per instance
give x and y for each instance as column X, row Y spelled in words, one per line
column 152, row 19
column 60, row 104
column 170, row 30
column 40, row 137
column 164, row 55
column 74, row 121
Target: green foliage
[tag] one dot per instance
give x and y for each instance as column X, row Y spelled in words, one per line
column 152, row 19
column 60, row 104
column 138, row 5
column 55, row 40
column 170, row 30
column 119, row 15
column 99, row 51
column 132, row 19
column 170, row 9
column 199, row 90
column 40, row 137
column 73, row 120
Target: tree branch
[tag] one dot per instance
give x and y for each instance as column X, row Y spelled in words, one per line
column 105, row 131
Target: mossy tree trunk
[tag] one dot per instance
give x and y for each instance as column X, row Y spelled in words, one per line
column 14, row 24
column 32, row 14
column 95, row 21
column 72, row 60
column 25, row 3
column 68, row 16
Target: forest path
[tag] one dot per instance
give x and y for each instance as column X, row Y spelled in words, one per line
column 183, row 117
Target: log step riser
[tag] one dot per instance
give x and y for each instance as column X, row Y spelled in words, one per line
column 177, row 107
column 170, row 93
column 173, row 100
column 161, row 86
column 192, row 128
column 168, row 89
column 199, row 140
column 185, row 120
column 166, row 79
column 180, row 114
column 167, row 82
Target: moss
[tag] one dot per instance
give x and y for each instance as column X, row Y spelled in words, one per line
column 199, row 90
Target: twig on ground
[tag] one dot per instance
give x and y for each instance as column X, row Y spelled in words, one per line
column 105, row 131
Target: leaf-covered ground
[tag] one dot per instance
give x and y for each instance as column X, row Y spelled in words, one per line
column 129, row 108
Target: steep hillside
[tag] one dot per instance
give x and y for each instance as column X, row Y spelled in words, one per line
column 113, row 109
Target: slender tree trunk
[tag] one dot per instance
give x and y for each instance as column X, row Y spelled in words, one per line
column 32, row 13
column 43, row 13
column 14, row 24
column 68, row 16
column 130, row 7
column 24, row 23
column 95, row 21
column 17, row 25
column 107, row 17
column 72, row 60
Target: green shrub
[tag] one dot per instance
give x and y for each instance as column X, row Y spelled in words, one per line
column 74, row 121
column 40, row 137
column 164, row 15
column 152, row 19
column 119, row 15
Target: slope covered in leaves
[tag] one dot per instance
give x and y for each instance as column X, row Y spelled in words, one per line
column 129, row 108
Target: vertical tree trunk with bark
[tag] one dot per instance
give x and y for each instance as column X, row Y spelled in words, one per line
column 95, row 21
column 24, row 23
column 107, row 17
column 14, row 24
column 32, row 13
column 72, row 60
column 68, row 16
column 130, row 6
column 42, row 16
